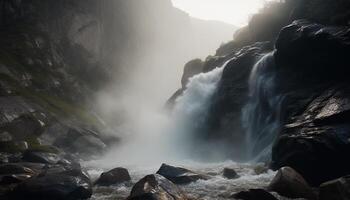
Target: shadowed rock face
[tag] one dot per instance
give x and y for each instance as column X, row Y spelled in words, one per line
column 336, row 189
column 254, row 194
column 312, row 63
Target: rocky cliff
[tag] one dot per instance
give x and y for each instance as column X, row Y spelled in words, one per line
column 55, row 56
column 294, row 98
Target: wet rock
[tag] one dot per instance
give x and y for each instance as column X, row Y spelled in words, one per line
column 156, row 187
column 80, row 140
column 13, row 146
column 4, row 158
column 72, row 184
column 254, row 194
column 338, row 189
column 314, row 138
column 191, row 68
column 42, row 157
column 5, row 137
column 179, row 175
column 24, row 126
column 15, row 169
column 316, row 142
column 114, row 176
column 290, row 183
column 36, row 167
column 296, row 47
column 261, row 169
column 230, row 173
column 13, row 178
column 14, row 173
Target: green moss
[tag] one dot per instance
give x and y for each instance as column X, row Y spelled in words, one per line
column 11, row 147
column 52, row 104
column 34, row 145
column 32, row 141
column 44, row 148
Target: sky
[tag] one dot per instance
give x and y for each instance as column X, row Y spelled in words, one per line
column 236, row 12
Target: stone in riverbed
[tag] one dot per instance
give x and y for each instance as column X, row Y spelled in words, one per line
column 230, row 173
column 261, row 168
column 14, row 173
column 13, row 178
column 179, row 175
column 291, row 184
column 45, row 157
column 14, row 169
column 156, row 187
column 338, row 189
column 114, row 176
column 254, row 194
column 71, row 184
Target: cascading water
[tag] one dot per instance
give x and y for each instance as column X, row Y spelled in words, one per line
column 191, row 109
column 187, row 121
column 262, row 114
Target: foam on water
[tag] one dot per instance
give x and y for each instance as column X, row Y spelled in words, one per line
column 217, row 187
column 263, row 112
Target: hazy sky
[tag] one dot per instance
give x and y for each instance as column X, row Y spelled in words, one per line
column 235, row 12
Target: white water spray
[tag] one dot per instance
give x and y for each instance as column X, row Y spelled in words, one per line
column 262, row 114
column 191, row 109
column 152, row 137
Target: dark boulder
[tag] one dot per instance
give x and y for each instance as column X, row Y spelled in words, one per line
column 290, row 183
column 43, row 157
column 179, row 175
column 312, row 55
column 254, row 194
column 338, row 189
column 24, row 126
column 15, row 169
column 230, row 173
column 71, row 185
column 84, row 141
column 13, row 178
column 156, row 187
column 261, row 168
column 191, row 69
column 114, row 176
column 13, row 146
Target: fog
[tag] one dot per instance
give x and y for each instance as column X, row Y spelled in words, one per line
column 147, row 69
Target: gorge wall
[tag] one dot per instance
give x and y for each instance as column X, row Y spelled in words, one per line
column 283, row 91
column 57, row 56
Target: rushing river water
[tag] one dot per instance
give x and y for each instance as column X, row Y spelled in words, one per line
column 216, row 188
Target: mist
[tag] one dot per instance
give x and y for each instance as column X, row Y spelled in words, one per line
column 137, row 99
column 162, row 40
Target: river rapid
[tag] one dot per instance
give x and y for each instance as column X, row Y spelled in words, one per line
column 216, row 188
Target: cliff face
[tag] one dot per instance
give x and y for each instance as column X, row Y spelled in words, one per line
column 56, row 55
column 50, row 63
column 49, row 45
column 295, row 98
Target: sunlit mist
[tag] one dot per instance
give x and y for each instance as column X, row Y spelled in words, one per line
column 230, row 11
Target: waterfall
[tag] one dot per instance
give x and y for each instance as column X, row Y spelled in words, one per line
column 262, row 114
column 191, row 111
